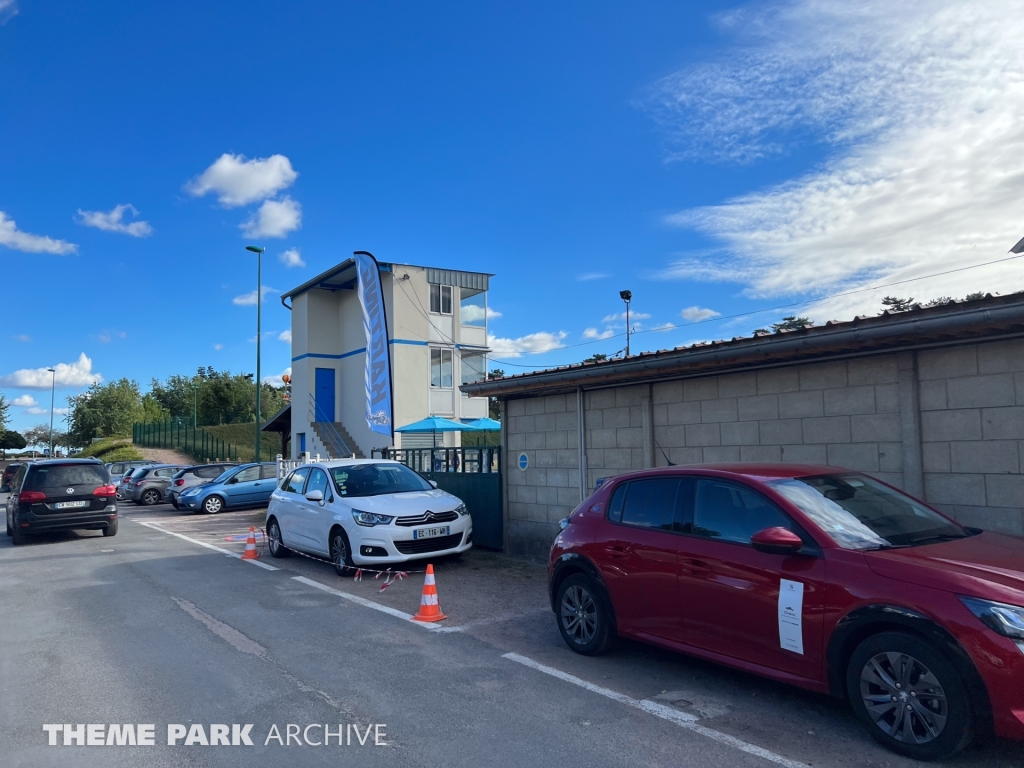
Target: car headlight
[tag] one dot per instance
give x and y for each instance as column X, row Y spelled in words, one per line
column 1003, row 619
column 461, row 509
column 190, row 492
column 370, row 518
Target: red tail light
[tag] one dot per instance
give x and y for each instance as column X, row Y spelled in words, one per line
column 32, row 497
column 105, row 490
column 179, row 481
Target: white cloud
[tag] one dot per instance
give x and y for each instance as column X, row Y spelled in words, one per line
column 472, row 313
column 276, row 380
column 275, row 218
column 105, row 337
column 285, row 336
column 531, row 344
column 37, row 411
column 696, row 314
column 8, row 10
column 76, row 374
column 588, row 276
column 664, row 327
column 238, row 181
column 219, row 347
column 593, row 333
column 113, row 221
column 23, row 337
column 249, row 299
column 25, row 401
column 292, row 258
column 919, row 105
column 14, row 238
column 621, row 317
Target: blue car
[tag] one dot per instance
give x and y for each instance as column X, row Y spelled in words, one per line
column 247, row 485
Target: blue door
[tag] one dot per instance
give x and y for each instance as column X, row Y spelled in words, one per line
column 324, row 394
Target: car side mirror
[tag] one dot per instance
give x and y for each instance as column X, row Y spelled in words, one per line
column 315, row 495
column 777, row 541
column 433, row 482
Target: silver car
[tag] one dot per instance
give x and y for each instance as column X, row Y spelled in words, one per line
column 190, row 477
column 148, row 485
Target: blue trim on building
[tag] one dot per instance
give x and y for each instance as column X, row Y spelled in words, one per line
column 321, row 356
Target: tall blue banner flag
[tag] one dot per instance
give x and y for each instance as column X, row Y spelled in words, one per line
column 378, row 362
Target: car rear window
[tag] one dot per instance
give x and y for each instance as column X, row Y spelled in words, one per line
column 208, row 473
column 139, row 472
column 65, row 475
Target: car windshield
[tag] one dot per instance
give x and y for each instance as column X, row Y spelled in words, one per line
column 224, row 475
column 858, row 512
column 377, row 479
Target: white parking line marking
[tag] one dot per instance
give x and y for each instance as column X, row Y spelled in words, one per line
column 365, row 603
column 682, row 719
column 155, row 527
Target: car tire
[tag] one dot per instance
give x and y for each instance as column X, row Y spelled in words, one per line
column 274, row 541
column 213, row 504
column 151, row 497
column 17, row 537
column 341, row 552
column 919, row 703
column 174, row 503
column 111, row 529
column 583, row 616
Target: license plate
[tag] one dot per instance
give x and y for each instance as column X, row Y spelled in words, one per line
column 430, row 533
column 71, row 504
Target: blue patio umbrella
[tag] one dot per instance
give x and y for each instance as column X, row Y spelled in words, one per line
column 489, row 425
column 435, row 424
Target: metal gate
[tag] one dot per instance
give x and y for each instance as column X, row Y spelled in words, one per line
column 472, row 474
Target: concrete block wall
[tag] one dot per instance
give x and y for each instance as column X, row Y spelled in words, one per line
column 946, row 425
column 841, row 413
column 546, row 429
column 972, row 433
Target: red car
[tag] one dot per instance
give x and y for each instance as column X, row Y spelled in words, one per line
column 815, row 576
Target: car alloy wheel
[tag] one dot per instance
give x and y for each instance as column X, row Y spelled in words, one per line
column 578, row 614
column 274, row 543
column 340, row 556
column 213, row 505
column 149, row 498
column 904, row 698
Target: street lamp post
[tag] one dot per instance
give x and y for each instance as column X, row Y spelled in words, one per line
column 259, row 305
column 626, row 296
column 195, row 405
column 53, row 388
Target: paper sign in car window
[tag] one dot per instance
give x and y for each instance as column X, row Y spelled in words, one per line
column 791, row 606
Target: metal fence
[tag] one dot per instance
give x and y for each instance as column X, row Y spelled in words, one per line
column 471, row 474
column 195, row 442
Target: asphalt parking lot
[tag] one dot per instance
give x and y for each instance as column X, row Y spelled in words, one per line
column 498, row 659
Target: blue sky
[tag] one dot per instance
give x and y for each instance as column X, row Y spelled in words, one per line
column 712, row 158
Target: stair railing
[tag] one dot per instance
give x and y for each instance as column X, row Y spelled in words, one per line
column 330, row 433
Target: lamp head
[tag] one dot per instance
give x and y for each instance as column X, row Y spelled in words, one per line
column 254, row 249
column 626, row 295
column 51, row 370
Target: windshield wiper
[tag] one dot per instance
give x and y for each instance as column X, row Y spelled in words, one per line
column 940, row 537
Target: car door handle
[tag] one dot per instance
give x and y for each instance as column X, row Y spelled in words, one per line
column 694, row 567
column 616, row 552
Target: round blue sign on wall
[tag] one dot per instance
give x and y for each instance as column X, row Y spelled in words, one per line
column 524, row 461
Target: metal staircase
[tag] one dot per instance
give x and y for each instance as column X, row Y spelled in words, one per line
column 333, row 435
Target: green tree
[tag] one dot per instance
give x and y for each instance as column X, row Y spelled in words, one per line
column 105, row 410
column 974, row 296
column 11, row 441
column 493, row 406
column 37, row 436
column 792, row 323
column 939, row 301
column 5, row 412
column 150, row 409
column 600, row 357
column 897, row 304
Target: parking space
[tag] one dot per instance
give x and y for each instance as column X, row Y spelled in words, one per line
column 503, row 603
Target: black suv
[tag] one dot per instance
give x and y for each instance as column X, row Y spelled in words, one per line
column 61, row 494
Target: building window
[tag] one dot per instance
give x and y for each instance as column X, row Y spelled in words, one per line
column 473, row 308
column 440, row 299
column 473, row 366
column 441, row 368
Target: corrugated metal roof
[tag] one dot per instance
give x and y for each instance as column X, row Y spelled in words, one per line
column 474, row 280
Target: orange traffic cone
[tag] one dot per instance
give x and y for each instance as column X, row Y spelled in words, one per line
column 429, row 608
column 250, row 546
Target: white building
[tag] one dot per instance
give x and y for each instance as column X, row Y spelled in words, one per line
column 437, row 326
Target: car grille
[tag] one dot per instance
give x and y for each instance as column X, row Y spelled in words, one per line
column 427, row 517
column 419, row 547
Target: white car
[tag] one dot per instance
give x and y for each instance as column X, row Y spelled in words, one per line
column 362, row 512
